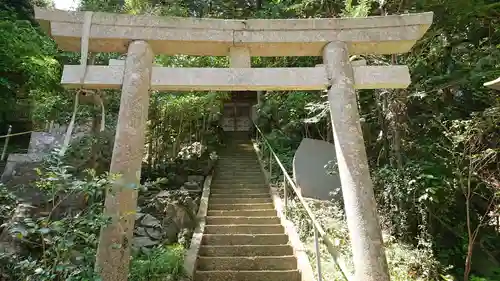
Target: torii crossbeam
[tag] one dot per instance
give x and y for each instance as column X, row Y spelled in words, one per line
column 334, row 39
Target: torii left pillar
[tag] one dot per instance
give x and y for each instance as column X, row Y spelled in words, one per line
column 113, row 254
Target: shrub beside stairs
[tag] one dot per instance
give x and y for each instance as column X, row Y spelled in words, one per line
column 243, row 239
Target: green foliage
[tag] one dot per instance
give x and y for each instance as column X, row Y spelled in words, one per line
column 428, row 145
column 163, row 263
column 61, row 243
column 59, row 246
column 406, row 262
column 27, row 64
column 411, row 263
column 180, row 123
column 8, row 200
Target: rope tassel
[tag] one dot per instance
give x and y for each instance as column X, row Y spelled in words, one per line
column 87, row 23
column 103, row 113
column 69, row 131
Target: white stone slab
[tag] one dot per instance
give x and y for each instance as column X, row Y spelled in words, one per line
column 309, row 170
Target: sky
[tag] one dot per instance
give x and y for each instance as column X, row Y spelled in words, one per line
column 66, row 4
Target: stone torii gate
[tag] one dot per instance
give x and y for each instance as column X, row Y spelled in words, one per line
column 141, row 37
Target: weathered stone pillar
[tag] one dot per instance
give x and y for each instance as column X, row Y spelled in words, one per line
column 121, row 199
column 368, row 251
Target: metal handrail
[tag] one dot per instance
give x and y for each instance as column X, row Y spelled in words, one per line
column 6, row 143
column 319, row 232
column 8, row 135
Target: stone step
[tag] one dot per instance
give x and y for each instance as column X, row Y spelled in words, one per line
column 242, row 152
column 242, row 220
column 236, row 165
column 230, row 165
column 240, row 178
column 238, row 152
column 247, row 200
column 265, row 275
column 238, row 190
column 240, row 174
column 244, row 239
column 242, row 213
column 240, row 185
column 245, row 229
column 217, row 181
column 245, row 250
column 225, row 159
column 237, row 174
column 247, row 263
column 252, row 165
column 228, row 159
column 259, row 206
column 237, row 196
column 240, row 168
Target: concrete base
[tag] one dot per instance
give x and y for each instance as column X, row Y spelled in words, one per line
column 15, row 160
column 192, row 254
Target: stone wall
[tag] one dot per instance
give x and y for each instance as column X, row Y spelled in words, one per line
column 41, row 143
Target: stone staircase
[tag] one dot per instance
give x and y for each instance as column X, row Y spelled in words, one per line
column 243, row 239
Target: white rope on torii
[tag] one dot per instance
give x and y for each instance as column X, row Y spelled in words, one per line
column 87, row 24
column 493, row 84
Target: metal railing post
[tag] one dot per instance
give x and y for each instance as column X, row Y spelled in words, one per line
column 318, row 255
column 319, row 232
column 285, row 196
column 270, row 164
column 6, row 143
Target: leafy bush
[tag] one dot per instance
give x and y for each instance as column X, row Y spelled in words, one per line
column 406, row 262
column 163, row 263
column 8, row 201
column 59, row 242
column 27, row 64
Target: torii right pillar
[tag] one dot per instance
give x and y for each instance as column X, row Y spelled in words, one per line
column 370, row 263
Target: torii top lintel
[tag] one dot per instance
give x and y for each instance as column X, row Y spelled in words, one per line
column 193, row 36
